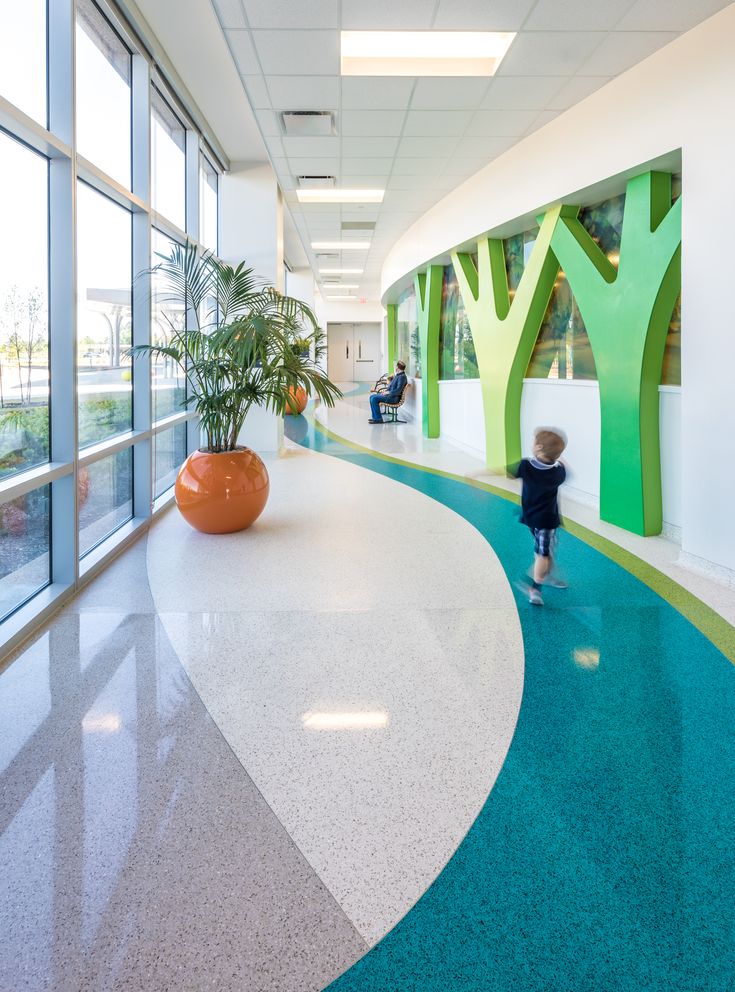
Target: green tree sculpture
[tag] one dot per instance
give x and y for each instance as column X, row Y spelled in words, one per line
column 504, row 332
column 428, row 311
column 626, row 311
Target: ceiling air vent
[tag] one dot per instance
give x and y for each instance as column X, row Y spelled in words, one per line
column 358, row 225
column 316, row 182
column 307, row 123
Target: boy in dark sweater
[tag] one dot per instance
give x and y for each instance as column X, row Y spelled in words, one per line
column 542, row 475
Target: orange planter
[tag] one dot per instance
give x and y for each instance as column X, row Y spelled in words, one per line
column 297, row 400
column 222, row 493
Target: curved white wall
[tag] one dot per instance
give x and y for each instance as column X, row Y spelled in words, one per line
column 679, row 98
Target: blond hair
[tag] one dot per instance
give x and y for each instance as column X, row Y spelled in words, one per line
column 550, row 443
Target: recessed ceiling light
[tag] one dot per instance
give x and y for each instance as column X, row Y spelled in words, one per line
column 340, row 245
column 340, row 195
column 423, row 53
column 341, row 285
column 341, row 297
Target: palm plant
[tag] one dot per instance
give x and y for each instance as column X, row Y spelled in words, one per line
column 236, row 343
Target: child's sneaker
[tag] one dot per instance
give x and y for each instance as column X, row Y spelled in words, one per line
column 535, row 597
column 555, row 582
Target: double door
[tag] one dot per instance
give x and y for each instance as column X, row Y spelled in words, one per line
column 353, row 352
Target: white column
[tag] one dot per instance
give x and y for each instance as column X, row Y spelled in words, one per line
column 251, row 230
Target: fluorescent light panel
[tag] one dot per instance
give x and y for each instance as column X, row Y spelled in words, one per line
column 340, row 195
column 340, row 245
column 348, row 297
column 423, row 53
column 341, row 285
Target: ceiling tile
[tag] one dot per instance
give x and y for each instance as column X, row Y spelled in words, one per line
column 230, row 14
column 311, row 147
column 304, row 92
column 492, row 123
column 549, row 53
column 412, row 147
column 411, row 182
column 448, row 93
column 375, row 92
column 314, row 166
column 268, row 123
column 673, row 15
column 624, row 49
column 545, row 117
column 256, row 91
column 418, row 166
column 369, row 147
column 366, row 166
column 276, row 13
column 482, row 15
column 298, row 53
column 576, row 15
column 437, row 122
column 576, row 89
column 385, row 123
column 520, row 92
column 479, row 147
column 275, row 146
column 387, row 15
column 241, row 45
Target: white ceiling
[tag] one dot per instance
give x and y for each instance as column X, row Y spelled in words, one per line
column 419, row 138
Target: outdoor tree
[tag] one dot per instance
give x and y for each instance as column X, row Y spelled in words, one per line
column 24, row 331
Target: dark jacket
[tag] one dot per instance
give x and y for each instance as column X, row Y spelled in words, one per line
column 541, row 482
column 396, row 387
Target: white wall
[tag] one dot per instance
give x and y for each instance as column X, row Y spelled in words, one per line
column 352, row 312
column 574, row 407
column 679, row 98
column 251, row 220
column 251, row 228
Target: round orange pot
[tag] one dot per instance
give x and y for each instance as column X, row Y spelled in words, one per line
column 296, row 400
column 224, row 492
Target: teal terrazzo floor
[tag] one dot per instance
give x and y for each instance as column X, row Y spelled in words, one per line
column 604, row 858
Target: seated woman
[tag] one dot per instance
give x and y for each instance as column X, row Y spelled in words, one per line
column 391, row 395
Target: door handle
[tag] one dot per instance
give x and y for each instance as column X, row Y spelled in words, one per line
column 359, row 348
column 347, row 350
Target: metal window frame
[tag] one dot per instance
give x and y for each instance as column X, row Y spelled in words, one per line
column 57, row 143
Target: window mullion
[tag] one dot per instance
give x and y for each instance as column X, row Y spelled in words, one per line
column 62, row 295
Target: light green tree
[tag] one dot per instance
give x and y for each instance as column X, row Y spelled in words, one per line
column 504, row 331
column 626, row 311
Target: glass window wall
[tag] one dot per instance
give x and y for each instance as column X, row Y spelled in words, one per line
column 168, row 319
column 105, row 495
column 23, row 57
column 169, row 451
column 25, row 552
column 76, row 424
column 24, row 341
column 457, row 358
column 104, row 332
column 168, row 157
column 103, row 90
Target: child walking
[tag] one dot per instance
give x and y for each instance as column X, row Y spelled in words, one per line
column 542, row 475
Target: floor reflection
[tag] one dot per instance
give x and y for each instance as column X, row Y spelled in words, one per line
column 130, row 836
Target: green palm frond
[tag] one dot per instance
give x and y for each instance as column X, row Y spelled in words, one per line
column 244, row 343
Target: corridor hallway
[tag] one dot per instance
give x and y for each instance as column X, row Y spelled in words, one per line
column 255, row 758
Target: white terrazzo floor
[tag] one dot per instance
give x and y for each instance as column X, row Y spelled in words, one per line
column 368, row 685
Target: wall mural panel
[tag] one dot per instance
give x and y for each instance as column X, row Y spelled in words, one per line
column 555, row 302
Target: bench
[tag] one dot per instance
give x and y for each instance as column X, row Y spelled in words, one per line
column 389, row 411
